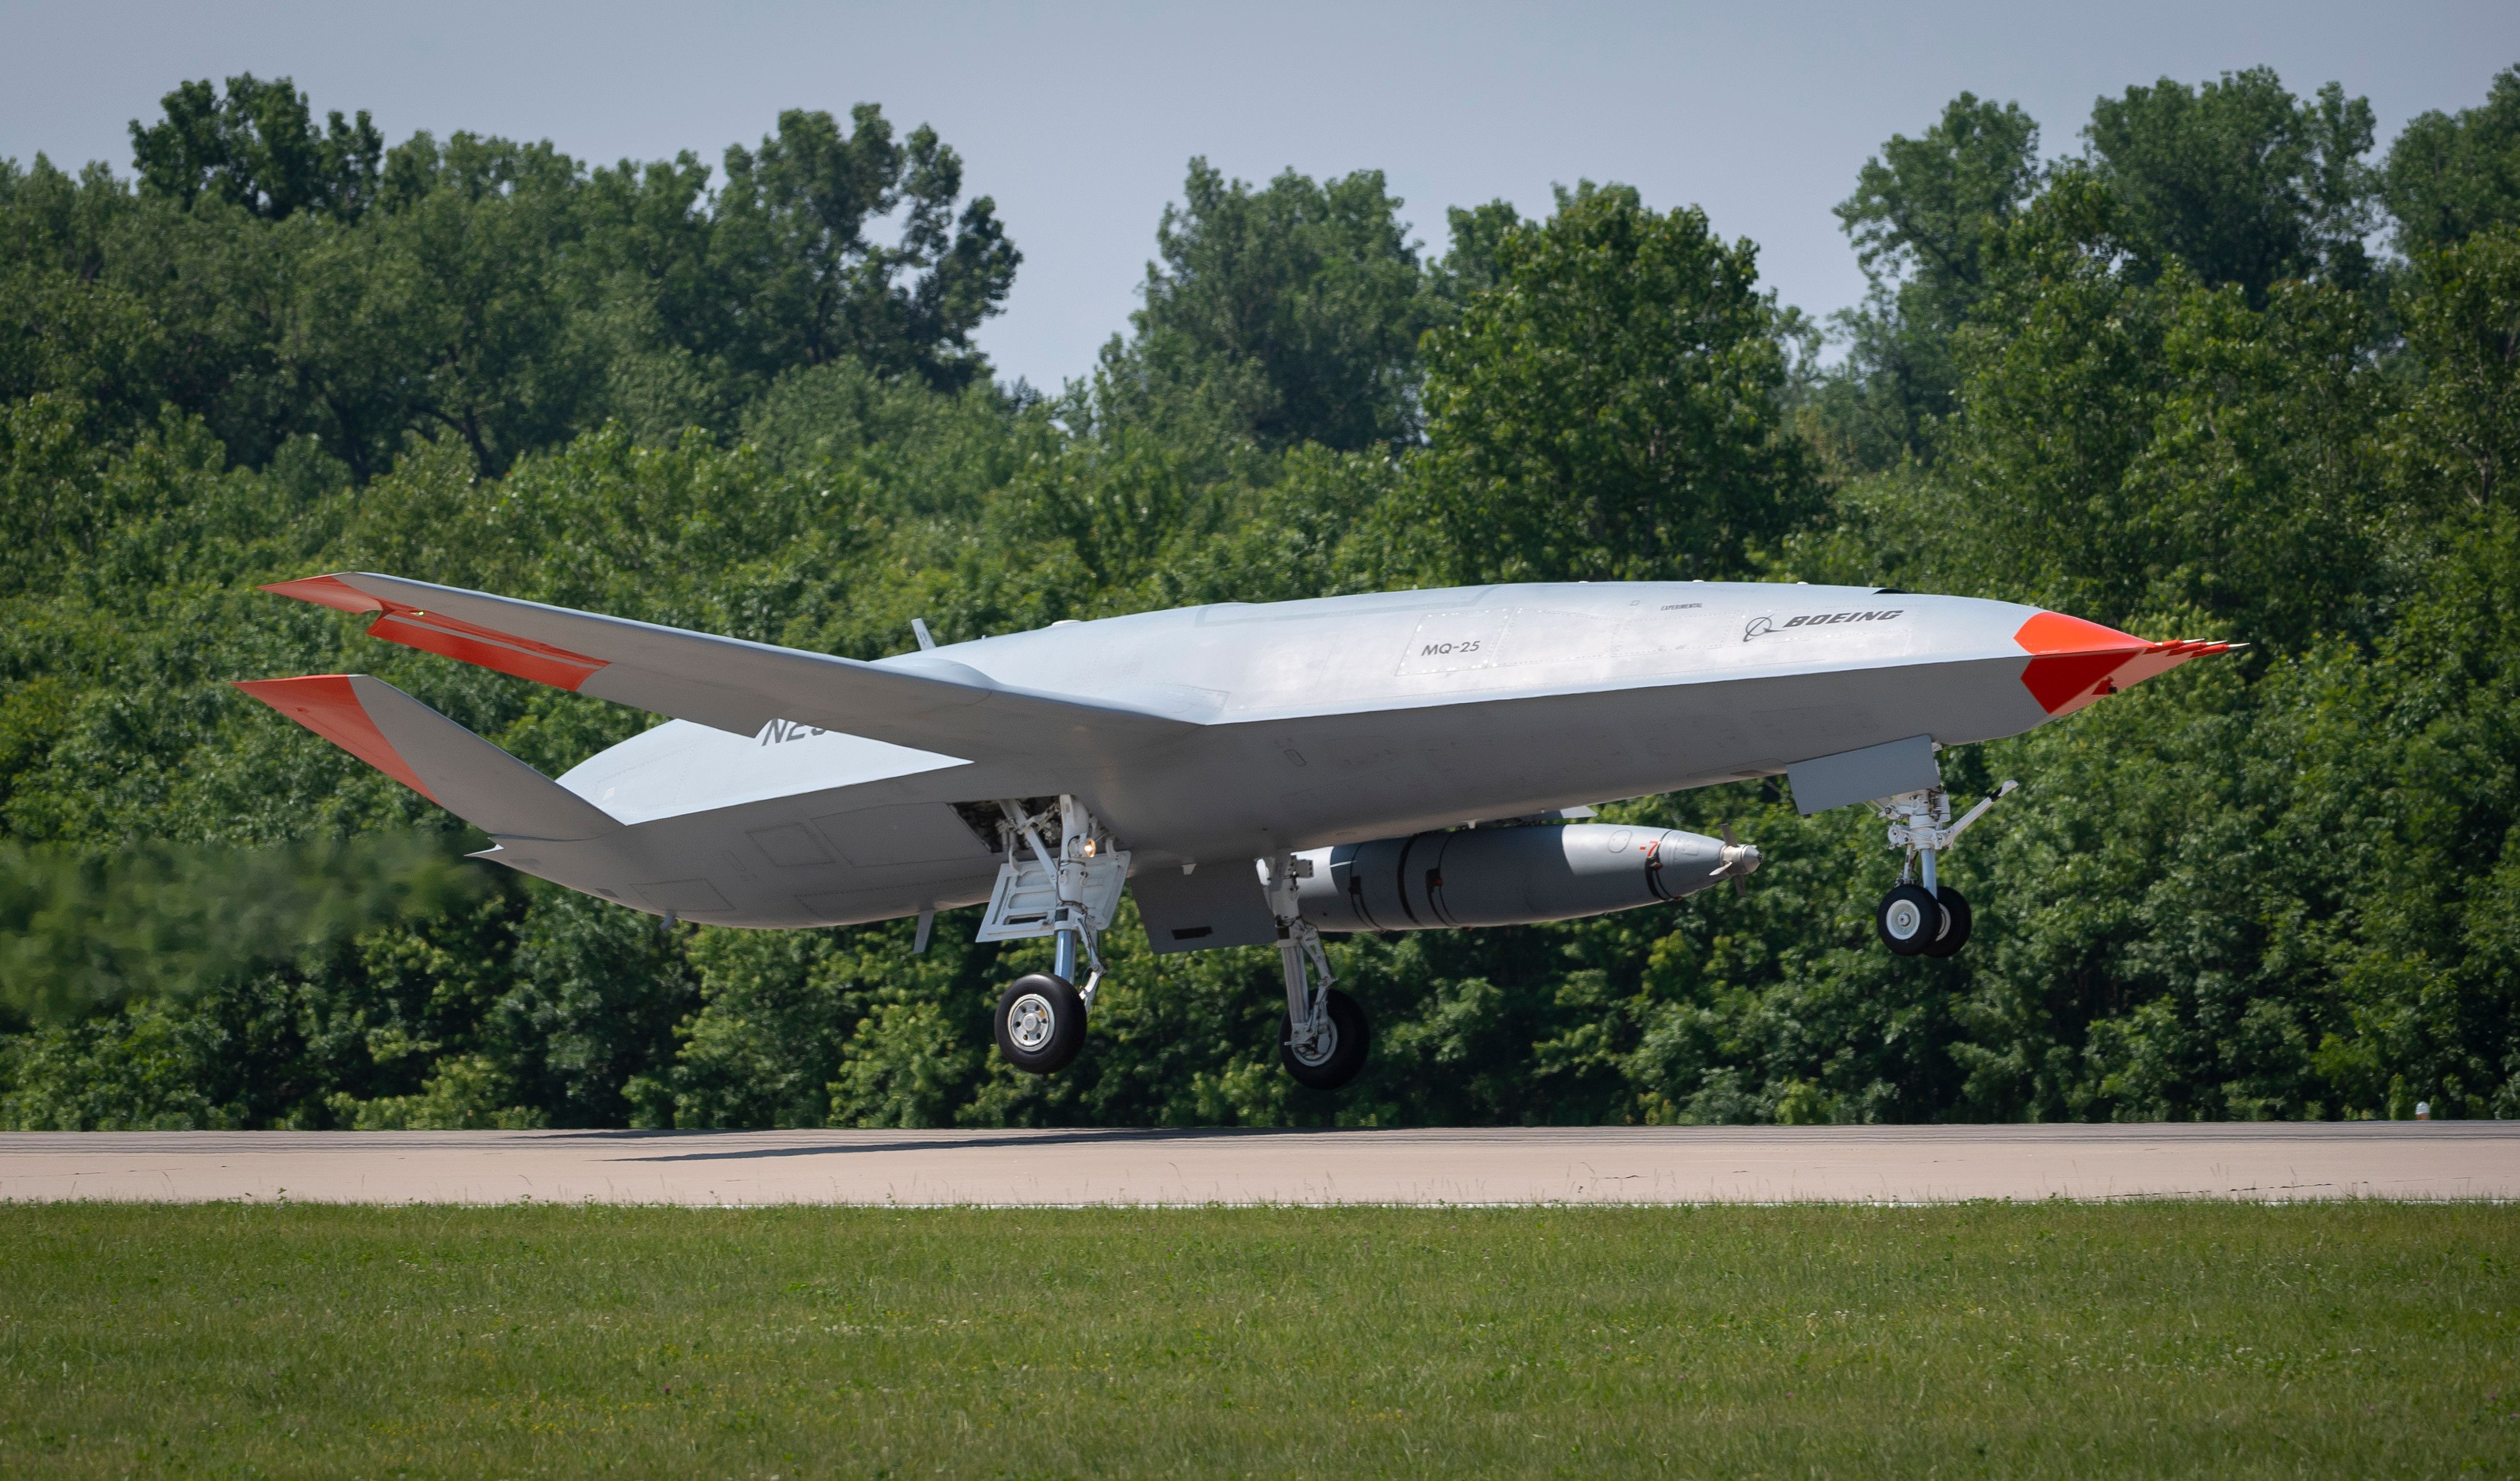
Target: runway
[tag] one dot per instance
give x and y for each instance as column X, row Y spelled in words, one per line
column 1927, row 1164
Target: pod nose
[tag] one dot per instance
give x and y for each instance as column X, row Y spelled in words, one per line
column 2074, row 662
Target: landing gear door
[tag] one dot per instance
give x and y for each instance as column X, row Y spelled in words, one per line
column 1859, row 776
column 1026, row 896
column 1220, row 904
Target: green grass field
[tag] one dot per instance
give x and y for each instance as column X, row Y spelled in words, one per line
column 2154, row 1340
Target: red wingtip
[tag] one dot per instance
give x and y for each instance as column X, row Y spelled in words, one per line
column 329, row 705
column 329, row 591
column 438, row 633
column 2074, row 662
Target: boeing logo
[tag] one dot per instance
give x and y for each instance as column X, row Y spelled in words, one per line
column 1762, row 626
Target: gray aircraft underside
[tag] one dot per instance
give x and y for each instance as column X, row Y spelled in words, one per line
column 800, row 789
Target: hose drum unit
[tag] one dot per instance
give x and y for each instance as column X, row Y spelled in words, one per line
column 1510, row 876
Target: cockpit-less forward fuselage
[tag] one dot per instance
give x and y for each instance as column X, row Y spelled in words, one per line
column 1251, row 773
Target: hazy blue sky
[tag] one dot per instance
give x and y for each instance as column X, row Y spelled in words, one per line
column 1078, row 119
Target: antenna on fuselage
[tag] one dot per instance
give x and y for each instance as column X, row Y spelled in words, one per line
column 918, row 630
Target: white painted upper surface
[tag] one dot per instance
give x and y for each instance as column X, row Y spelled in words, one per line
column 1402, row 650
column 679, row 767
column 1395, row 651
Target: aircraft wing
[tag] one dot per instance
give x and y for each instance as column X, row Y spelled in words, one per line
column 733, row 685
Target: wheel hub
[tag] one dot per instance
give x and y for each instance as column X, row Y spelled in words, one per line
column 1031, row 1023
column 1904, row 919
column 1315, row 1052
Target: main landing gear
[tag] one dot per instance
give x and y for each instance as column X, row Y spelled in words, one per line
column 1070, row 896
column 1041, row 1024
column 1323, row 1037
column 1925, row 918
column 1071, row 893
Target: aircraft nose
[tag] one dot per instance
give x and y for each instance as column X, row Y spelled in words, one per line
column 2074, row 662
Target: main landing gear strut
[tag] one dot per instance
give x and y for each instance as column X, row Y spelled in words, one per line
column 1068, row 895
column 1322, row 1039
column 1926, row 917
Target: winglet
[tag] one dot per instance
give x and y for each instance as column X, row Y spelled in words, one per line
column 433, row 756
column 329, row 705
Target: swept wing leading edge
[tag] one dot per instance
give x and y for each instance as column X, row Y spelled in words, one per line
column 733, row 685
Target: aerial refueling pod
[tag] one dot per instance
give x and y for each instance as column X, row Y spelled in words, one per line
column 1514, row 875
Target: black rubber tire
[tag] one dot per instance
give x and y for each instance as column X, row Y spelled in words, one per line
column 1908, row 920
column 1040, row 1023
column 1956, row 922
column 1349, row 1041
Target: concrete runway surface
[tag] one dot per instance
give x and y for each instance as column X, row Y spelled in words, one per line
column 1919, row 1164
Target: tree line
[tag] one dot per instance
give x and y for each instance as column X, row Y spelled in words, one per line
column 2226, row 369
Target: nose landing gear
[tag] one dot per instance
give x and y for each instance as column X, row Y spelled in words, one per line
column 1927, row 918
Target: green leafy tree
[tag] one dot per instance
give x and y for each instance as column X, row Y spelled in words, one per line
column 258, row 148
column 280, row 280
column 2451, row 175
column 1286, row 314
column 2140, row 449
column 1920, row 218
column 2463, row 430
column 2240, row 180
column 1609, row 410
column 1478, row 234
column 791, row 242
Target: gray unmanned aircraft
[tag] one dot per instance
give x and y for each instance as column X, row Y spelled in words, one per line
column 1252, row 773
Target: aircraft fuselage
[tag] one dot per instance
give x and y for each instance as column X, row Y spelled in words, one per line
column 1309, row 723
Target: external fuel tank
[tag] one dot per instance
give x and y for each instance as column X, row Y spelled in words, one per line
column 1510, row 876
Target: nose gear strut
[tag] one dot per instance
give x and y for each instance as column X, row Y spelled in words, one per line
column 1927, row 918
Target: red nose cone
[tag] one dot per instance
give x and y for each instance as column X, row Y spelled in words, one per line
column 2073, row 662
column 2056, row 633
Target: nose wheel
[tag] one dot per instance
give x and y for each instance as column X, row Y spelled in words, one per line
column 1915, row 921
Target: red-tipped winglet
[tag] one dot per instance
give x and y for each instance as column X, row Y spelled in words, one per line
column 328, row 705
column 2074, row 662
column 437, row 633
